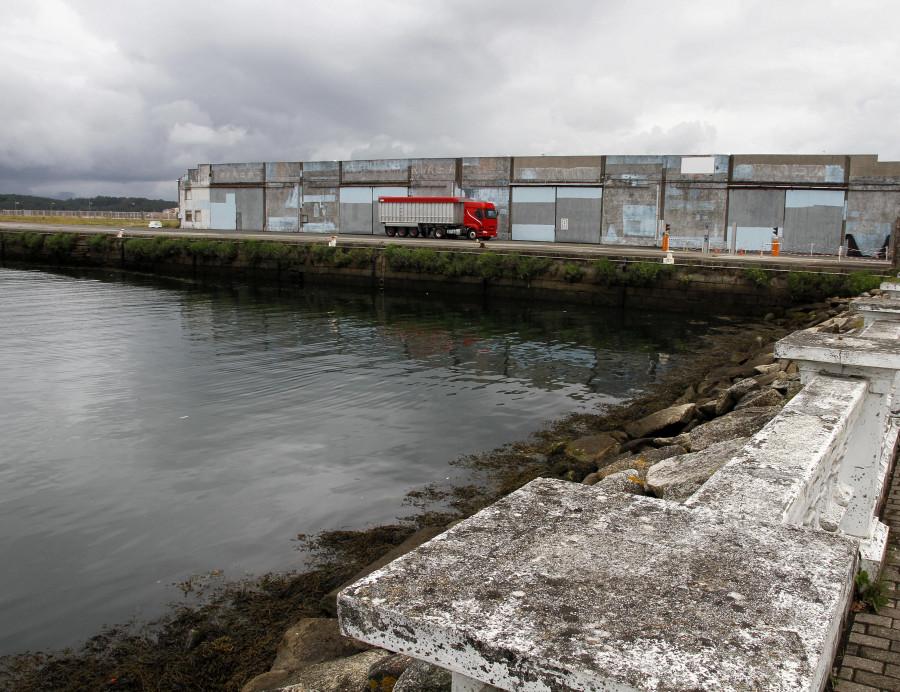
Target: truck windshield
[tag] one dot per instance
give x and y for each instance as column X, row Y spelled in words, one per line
column 490, row 213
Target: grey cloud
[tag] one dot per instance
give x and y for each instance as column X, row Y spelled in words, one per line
column 122, row 98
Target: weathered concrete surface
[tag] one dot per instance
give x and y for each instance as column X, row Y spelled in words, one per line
column 567, row 588
column 328, row 604
column 786, row 470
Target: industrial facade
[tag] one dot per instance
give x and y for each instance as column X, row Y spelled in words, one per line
column 732, row 201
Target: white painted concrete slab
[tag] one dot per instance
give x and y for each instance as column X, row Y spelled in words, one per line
column 562, row 587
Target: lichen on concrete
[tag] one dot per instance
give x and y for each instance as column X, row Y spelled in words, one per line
column 560, row 586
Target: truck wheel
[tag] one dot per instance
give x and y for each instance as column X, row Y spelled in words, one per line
column 438, row 233
column 413, row 232
column 473, row 234
column 401, row 232
column 391, row 231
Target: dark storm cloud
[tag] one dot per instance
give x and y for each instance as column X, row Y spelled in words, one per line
column 123, row 99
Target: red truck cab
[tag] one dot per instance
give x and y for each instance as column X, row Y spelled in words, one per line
column 482, row 216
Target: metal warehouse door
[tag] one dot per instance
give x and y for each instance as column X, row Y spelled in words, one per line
column 753, row 214
column 813, row 221
column 534, row 213
column 358, row 208
column 578, row 214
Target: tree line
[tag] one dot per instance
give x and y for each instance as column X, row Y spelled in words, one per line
column 99, row 203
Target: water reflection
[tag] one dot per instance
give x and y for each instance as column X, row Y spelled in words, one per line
column 154, row 429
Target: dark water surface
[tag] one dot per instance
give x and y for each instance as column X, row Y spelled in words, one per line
column 153, row 429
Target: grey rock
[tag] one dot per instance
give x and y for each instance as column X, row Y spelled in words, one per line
column 654, row 456
column 767, row 397
column 793, row 387
column 383, row 674
column 313, row 640
column 633, row 446
column 627, row 461
column 682, row 440
column 772, row 379
column 696, row 467
column 762, row 359
column 342, row 675
column 769, row 369
column 741, row 423
column 741, row 388
column 593, row 449
column 627, row 481
column 591, row 478
column 424, row 677
column 655, row 422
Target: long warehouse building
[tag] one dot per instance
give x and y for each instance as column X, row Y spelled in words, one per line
column 814, row 204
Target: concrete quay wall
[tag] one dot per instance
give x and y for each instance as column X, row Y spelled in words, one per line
column 624, row 280
column 732, row 202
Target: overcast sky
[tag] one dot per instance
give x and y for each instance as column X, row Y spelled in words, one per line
column 121, row 98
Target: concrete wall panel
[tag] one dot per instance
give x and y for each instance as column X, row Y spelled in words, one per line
column 630, row 214
column 237, row 174
column 558, row 169
column 432, row 172
column 697, row 168
column 485, row 172
column 283, row 207
column 322, row 174
column 635, row 168
column 284, row 172
column 790, row 169
column 321, row 208
column 869, row 170
column 696, row 212
column 381, row 171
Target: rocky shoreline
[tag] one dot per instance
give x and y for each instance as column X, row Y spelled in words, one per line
column 668, row 453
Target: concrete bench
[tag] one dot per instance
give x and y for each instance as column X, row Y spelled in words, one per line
column 565, row 587
column 562, row 587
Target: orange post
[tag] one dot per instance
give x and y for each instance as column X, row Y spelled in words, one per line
column 665, row 242
column 775, row 247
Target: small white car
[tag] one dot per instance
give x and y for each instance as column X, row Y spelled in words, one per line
column 155, row 224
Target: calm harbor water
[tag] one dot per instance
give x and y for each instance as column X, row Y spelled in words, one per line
column 155, row 429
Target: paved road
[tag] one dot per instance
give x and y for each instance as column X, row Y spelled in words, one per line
column 573, row 250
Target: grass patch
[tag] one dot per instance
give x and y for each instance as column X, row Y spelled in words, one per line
column 75, row 221
column 757, row 276
column 809, row 286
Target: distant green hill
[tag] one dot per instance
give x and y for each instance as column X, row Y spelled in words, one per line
column 86, row 203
